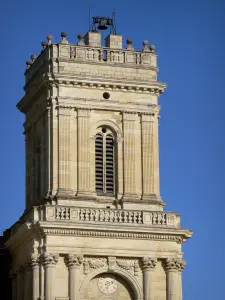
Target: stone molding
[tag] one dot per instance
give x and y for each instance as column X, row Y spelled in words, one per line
column 73, row 260
column 49, row 259
column 174, row 265
column 121, row 235
column 94, row 263
column 148, row 263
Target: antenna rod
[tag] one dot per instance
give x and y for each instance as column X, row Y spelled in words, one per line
column 89, row 14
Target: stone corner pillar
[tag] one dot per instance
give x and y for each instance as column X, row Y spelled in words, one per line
column 49, row 261
column 74, row 263
column 173, row 268
column 148, row 266
column 33, row 264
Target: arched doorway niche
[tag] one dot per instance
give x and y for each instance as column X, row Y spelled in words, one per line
column 128, row 288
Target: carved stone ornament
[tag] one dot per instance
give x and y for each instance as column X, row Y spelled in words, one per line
column 111, row 263
column 34, row 260
column 174, row 264
column 94, row 263
column 50, row 259
column 74, row 260
column 148, row 263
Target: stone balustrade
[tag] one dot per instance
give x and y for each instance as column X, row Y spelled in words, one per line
column 53, row 54
column 113, row 216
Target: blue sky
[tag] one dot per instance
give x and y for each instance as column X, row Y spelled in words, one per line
column 189, row 38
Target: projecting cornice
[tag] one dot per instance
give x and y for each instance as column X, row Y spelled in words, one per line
column 48, row 81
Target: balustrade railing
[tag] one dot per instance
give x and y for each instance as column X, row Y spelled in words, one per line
column 92, row 215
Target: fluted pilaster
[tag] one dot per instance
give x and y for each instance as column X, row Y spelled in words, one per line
column 150, row 161
column 64, row 151
column 148, row 266
column 74, row 263
column 83, row 117
column 129, row 155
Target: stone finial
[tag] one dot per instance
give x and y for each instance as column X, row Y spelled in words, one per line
column 28, row 63
column 145, row 46
column 49, row 38
column 152, row 48
column 148, row 263
column 129, row 44
column 63, row 36
column 33, row 57
column 44, row 44
column 80, row 39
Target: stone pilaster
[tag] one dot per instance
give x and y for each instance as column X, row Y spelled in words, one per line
column 13, row 278
column 150, row 161
column 20, row 283
column 174, row 268
column 54, row 164
column 49, row 262
column 74, row 263
column 48, row 149
column 64, row 151
column 129, row 156
column 148, row 265
column 34, row 267
column 83, row 124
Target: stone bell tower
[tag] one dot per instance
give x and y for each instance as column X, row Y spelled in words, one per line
column 94, row 226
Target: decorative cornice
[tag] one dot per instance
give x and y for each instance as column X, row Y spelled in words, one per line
column 118, row 235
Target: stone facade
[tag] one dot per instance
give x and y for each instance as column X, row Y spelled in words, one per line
column 77, row 243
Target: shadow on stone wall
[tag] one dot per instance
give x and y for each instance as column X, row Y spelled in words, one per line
column 6, row 288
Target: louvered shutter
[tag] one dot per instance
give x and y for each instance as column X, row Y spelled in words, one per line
column 109, row 165
column 99, row 177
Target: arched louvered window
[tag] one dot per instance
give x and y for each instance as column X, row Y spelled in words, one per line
column 105, row 163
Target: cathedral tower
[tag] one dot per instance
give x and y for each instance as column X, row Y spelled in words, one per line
column 94, row 226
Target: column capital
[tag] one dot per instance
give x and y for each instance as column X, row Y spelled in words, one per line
column 74, row 260
column 148, row 263
column 50, row 259
column 174, row 265
column 34, row 260
column 83, row 112
column 129, row 115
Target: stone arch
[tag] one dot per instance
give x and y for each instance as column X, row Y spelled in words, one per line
column 118, row 135
column 128, row 277
column 109, row 123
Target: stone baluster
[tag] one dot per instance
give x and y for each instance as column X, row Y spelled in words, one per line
column 49, row 262
column 74, row 263
column 34, row 266
column 174, row 268
column 129, row 155
column 148, row 265
column 83, row 116
column 64, row 151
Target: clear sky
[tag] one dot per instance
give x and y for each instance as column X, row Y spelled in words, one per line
column 190, row 40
